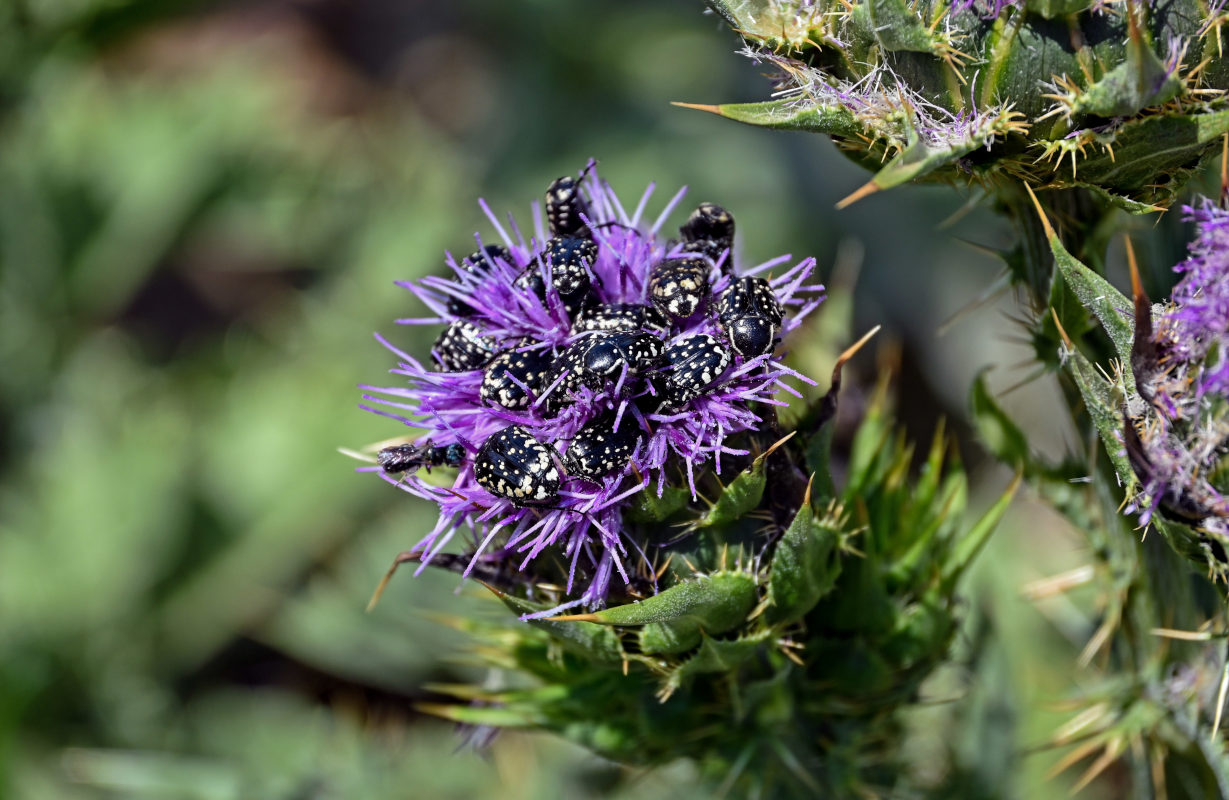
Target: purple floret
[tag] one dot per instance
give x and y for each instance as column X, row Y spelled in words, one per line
column 1181, row 443
column 583, row 528
column 1199, row 321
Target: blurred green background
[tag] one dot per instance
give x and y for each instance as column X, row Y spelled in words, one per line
column 203, row 208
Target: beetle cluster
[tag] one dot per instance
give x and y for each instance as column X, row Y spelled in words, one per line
column 641, row 349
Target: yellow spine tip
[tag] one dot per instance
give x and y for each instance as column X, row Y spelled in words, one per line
column 1045, row 222
column 865, row 190
column 575, row 618
column 1061, row 331
column 699, row 107
column 1137, row 286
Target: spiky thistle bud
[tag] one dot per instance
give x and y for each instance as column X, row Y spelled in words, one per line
column 1122, row 98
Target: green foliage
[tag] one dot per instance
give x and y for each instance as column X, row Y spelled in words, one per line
column 805, row 567
column 847, row 613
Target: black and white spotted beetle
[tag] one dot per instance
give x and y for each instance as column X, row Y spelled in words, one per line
column 595, row 359
column 570, row 259
column 510, row 374
column 402, row 457
column 621, row 317
column 709, row 231
column 598, row 449
column 515, row 465
column 695, row 362
column 477, row 262
column 679, row 286
column 750, row 315
column 462, row 346
column 564, row 207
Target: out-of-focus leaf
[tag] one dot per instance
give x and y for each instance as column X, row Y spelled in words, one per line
column 999, row 433
column 971, row 542
column 595, row 642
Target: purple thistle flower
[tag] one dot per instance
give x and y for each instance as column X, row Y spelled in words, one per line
column 581, row 526
column 1183, row 375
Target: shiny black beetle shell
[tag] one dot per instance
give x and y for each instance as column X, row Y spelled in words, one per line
column 679, row 286
column 709, row 231
column 462, row 346
column 570, row 259
column 620, row 317
column 750, row 314
column 564, row 206
column 506, row 378
column 479, row 263
column 695, row 362
column 605, row 355
column 597, row 449
column 515, row 465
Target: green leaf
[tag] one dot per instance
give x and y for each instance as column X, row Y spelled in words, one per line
column 1140, row 81
column 741, row 496
column 998, row 432
column 775, row 25
column 968, row 545
column 1107, row 304
column 593, row 642
column 897, row 27
column 494, row 716
column 1144, row 148
column 718, row 655
column 805, row 567
column 648, row 507
column 920, row 158
column 818, row 457
column 675, row 618
column 1102, row 400
column 790, row 115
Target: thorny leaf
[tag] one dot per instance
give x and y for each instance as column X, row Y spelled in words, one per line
column 804, row 567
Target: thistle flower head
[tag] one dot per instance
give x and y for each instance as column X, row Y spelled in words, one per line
column 572, row 377
column 1179, row 443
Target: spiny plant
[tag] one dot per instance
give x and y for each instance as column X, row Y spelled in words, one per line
column 1064, row 114
column 1121, row 98
column 691, row 579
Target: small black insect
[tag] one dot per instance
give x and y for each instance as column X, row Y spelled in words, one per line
column 621, row 317
column 507, row 377
column 478, row 263
column 608, row 353
column 750, row 315
column 402, row 457
column 461, row 346
column 678, row 286
column 564, row 207
column 570, row 259
column 515, row 465
column 598, row 449
column 709, row 231
column 601, row 357
column 695, row 362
